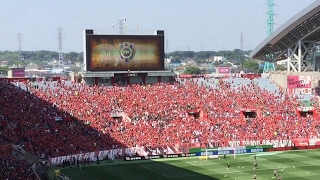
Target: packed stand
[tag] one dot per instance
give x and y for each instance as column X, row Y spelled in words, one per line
column 154, row 115
column 14, row 169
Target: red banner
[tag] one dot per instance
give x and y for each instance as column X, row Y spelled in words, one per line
column 293, row 148
column 277, row 143
column 300, row 142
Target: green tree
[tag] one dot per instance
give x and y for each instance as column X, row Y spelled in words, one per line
column 252, row 65
column 4, row 69
column 192, row 70
column 176, row 59
column 80, row 57
column 203, row 55
column 71, row 56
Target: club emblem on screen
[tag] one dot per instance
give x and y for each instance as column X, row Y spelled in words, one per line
column 126, row 51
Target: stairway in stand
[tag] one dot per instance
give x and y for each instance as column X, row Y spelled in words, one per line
column 224, row 85
column 260, row 111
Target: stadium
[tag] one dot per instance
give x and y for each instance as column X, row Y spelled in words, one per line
column 150, row 125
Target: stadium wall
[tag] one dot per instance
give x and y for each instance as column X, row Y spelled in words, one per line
column 89, row 81
column 281, row 78
column 240, row 147
column 128, row 80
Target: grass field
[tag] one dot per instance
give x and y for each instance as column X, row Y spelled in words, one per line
column 293, row 165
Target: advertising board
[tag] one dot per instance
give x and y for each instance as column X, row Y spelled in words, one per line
column 222, row 152
column 303, row 91
column 223, row 70
column 135, row 158
column 18, row 72
column 298, row 82
column 191, row 75
column 124, row 52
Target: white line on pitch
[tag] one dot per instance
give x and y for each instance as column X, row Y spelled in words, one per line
column 170, row 177
column 88, row 174
column 156, row 172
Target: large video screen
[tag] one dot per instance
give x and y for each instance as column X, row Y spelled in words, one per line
column 124, row 52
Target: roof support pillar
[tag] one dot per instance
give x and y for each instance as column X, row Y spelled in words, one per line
column 289, row 63
column 301, row 56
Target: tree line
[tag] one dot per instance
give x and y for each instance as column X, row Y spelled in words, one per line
column 204, row 56
column 38, row 57
column 41, row 57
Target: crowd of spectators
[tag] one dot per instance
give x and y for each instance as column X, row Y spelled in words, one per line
column 13, row 168
column 153, row 115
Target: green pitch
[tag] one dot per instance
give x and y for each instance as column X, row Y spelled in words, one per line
column 293, row 165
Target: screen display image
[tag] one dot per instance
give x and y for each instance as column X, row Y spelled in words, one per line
column 123, row 53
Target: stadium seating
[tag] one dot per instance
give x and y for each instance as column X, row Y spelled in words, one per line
column 13, row 168
column 157, row 115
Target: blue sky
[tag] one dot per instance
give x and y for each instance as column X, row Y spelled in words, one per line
column 195, row 25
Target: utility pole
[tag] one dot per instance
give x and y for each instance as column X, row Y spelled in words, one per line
column 167, row 45
column 19, row 48
column 241, row 50
column 270, row 21
column 241, row 42
column 125, row 25
column 60, row 47
column 269, row 66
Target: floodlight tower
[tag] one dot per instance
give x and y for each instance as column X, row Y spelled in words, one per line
column 123, row 26
column 60, row 47
column 269, row 66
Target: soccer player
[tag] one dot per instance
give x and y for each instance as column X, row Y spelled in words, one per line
column 255, row 157
column 255, row 165
column 224, row 156
column 279, row 177
column 228, row 166
column 275, row 173
column 254, row 176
